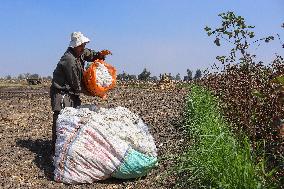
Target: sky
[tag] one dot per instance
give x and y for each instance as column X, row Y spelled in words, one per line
column 163, row 36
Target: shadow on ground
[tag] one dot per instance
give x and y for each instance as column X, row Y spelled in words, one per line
column 42, row 150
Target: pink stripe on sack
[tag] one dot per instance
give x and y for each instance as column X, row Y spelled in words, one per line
column 65, row 150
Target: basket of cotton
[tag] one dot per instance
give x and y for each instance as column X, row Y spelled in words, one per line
column 99, row 78
column 96, row 145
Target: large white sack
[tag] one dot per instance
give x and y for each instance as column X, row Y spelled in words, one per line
column 92, row 145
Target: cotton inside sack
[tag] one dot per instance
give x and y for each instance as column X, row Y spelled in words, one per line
column 93, row 146
column 99, row 78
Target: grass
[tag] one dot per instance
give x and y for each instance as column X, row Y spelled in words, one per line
column 216, row 159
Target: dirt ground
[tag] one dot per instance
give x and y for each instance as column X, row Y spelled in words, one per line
column 25, row 132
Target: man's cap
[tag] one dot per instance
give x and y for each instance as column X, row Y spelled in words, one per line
column 77, row 39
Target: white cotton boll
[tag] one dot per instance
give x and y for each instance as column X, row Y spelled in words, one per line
column 103, row 77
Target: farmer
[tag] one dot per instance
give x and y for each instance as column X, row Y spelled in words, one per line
column 67, row 81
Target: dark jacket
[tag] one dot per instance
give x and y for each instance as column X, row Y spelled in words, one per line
column 67, row 81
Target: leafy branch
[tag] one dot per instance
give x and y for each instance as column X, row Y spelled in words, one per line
column 235, row 31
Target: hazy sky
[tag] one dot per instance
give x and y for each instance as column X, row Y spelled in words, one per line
column 160, row 35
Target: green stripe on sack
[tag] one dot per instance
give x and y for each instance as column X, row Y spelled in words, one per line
column 135, row 165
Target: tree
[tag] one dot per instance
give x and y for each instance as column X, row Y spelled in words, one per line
column 178, row 77
column 144, row 75
column 8, row 77
column 279, row 36
column 189, row 74
column 132, row 77
column 188, row 77
column 198, row 74
column 34, row 76
column 21, row 76
column 27, row 75
column 170, row 76
column 123, row 76
column 235, row 31
column 154, row 78
column 126, row 77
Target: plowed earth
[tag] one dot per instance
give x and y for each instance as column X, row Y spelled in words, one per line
column 25, row 132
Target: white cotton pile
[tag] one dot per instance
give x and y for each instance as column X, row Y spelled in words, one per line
column 103, row 77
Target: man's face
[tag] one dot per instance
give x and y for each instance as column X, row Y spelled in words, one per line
column 79, row 49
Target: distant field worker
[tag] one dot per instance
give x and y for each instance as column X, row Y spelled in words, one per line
column 67, row 81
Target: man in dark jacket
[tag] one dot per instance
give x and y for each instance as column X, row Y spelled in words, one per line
column 67, row 81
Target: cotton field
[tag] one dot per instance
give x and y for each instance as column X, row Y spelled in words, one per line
column 25, row 124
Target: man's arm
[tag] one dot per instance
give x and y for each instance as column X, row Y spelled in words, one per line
column 91, row 55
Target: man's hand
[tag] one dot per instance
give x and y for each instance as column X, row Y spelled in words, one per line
column 106, row 52
column 103, row 54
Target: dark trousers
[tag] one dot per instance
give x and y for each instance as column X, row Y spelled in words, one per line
column 55, row 116
column 60, row 100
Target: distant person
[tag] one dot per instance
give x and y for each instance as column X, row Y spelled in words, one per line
column 67, row 81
